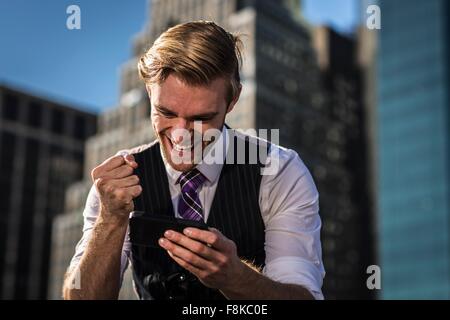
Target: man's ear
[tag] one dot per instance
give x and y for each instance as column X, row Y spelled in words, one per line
column 235, row 99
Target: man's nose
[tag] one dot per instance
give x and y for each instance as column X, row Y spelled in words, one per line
column 181, row 130
column 181, row 123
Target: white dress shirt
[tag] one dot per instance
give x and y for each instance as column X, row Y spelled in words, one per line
column 289, row 205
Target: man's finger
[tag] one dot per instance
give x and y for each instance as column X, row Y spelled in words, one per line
column 134, row 190
column 125, row 182
column 120, row 172
column 127, row 195
column 129, row 159
column 192, row 269
column 195, row 246
column 185, row 254
column 213, row 238
column 107, row 165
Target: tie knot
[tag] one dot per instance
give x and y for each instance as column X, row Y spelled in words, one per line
column 191, row 180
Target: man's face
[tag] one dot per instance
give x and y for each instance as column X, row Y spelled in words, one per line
column 176, row 106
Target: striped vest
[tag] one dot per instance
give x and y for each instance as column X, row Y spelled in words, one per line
column 234, row 211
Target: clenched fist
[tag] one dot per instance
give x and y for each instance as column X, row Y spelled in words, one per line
column 117, row 186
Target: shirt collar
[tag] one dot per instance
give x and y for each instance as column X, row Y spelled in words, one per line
column 210, row 169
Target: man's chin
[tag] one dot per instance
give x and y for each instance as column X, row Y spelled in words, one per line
column 178, row 164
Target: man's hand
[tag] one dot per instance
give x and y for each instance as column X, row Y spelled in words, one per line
column 116, row 185
column 213, row 259
column 209, row 255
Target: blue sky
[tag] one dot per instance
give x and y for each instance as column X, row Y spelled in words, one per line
column 39, row 54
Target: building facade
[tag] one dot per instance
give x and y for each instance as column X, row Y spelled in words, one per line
column 343, row 171
column 41, row 154
column 413, row 148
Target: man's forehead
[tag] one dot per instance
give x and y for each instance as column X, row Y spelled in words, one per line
column 173, row 93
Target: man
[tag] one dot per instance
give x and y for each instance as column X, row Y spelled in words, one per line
column 264, row 235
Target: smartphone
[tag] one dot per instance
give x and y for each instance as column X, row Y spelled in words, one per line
column 146, row 229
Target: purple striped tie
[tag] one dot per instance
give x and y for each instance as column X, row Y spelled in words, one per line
column 189, row 205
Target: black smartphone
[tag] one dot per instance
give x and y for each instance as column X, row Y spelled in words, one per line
column 146, row 229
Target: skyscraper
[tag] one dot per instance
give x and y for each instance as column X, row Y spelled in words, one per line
column 414, row 149
column 342, row 171
column 41, row 153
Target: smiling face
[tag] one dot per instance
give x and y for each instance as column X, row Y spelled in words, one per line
column 177, row 105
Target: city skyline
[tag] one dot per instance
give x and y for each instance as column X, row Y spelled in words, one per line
column 365, row 110
column 80, row 67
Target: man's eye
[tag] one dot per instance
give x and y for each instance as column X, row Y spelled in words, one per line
column 167, row 114
column 202, row 119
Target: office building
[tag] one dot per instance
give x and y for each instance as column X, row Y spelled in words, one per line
column 41, row 153
column 413, row 149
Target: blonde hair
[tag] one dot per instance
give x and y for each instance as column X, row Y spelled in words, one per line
column 197, row 52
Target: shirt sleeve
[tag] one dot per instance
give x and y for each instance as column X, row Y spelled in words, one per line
column 289, row 203
column 90, row 215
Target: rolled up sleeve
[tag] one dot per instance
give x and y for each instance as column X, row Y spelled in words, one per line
column 290, row 209
column 90, row 214
column 295, row 270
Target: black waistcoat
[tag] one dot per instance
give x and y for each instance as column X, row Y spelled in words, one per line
column 234, row 211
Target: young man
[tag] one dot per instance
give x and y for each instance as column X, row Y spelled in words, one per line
column 264, row 235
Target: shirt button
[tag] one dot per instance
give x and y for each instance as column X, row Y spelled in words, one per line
column 182, row 277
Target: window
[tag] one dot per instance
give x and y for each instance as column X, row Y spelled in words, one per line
column 57, row 121
column 34, row 117
column 79, row 128
column 10, row 107
column 7, row 145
